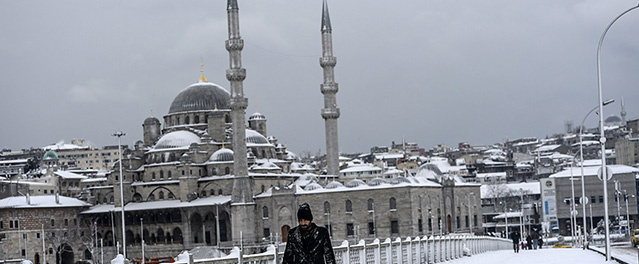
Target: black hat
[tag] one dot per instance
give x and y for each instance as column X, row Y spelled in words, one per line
column 304, row 212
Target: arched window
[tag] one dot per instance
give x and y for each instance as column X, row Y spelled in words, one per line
column 219, row 192
column 187, row 120
column 203, row 194
column 265, row 212
column 197, row 119
column 171, row 196
column 392, row 204
column 370, row 205
column 153, row 175
column 349, row 207
column 151, row 197
column 161, row 195
column 327, row 207
column 111, row 200
column 169, row 174
column 227, row 171
column 161, row 174
column 212, row 192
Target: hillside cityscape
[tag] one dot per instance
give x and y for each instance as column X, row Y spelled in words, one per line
column 206, row 178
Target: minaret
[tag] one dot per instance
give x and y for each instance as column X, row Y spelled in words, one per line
column 242, row 204
column 329, row 88
column 623, row 113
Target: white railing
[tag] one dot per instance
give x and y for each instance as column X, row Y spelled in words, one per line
column 415, row 250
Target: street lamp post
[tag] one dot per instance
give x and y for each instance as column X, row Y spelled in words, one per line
column 120, row 134
column 573, row 216
column 602, row 138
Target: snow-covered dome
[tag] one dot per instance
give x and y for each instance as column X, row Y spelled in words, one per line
column 222, row 155
column 355, row 183
column 612, row 120
column 50, row 155
column 256, row 116
column 151, row 121
column 333, row 185
column 200, row 96
column 376, row 181
column 177, row 139
column 399, row 180
column 312, row 186
column 254, row 137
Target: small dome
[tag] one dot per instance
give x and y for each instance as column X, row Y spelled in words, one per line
column 612, row 120
column 256, row 116
column 312, row 186
column 151, row 121
column 253, row 137
column 333, row 185
column 355, row 183
column 400, row 180
column 50, row 155
column 200, row 96
column 222, row 155
column 376, row 181
column 177, row 139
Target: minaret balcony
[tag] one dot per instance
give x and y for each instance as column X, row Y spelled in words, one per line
column 328, row 61
column 234, row 44
column 330, row 113
column 329, row 88
column 238, row 103
column 236, row 74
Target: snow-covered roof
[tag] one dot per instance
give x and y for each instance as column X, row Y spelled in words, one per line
column 592, row 171
column 529, row 188
column 547, row 148
column 491, row 174
column 41, row 201
column 164, row 204
column 63, row 146
column 67, row 175
column 363, row 167
column 509, row 215
column 18, row 161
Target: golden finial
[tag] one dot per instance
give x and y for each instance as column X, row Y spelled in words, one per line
column 151, row 112
column 202, row 78
column 215, row 106
column 223, row 144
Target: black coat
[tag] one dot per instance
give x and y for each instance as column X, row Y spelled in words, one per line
column 515, row 237
column 311, row 246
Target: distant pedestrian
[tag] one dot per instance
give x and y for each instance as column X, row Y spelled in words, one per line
column 515, row 237
column 541, row 242
column 528, row 242
column 535, row 238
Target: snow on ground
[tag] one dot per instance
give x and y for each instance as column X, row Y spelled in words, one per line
column 540, row 256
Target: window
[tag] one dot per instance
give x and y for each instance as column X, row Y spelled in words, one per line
column 327, row 208
column 467, row 221
column 371, row 205
column 66, row 222
column 392, row 204
column 394, row 227
column 349, row 207
column 430, row 224
column 593, row 199
column 267, row 233
column 265, row 212
column 52, row 222
column 161, row 195
column 420, row 227
column 474, row 220
column 350, row 230
column 161, row 174
column 458, row 222
column 601, row 199
column 371, row 228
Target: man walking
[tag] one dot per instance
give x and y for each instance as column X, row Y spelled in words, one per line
column 308, row 243
column 515, row 237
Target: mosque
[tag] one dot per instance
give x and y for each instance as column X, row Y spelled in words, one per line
column 204, row 177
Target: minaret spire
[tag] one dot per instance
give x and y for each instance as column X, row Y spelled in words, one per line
column 623, row 112
column 242, row 203
column 329, row 89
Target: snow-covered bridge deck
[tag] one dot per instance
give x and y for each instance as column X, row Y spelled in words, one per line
column 548, row 256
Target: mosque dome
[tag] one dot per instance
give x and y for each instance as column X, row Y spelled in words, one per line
column 222, row 155
column 256, row 116
column 200, row 96
column 355, row 183
column 376, row 181
column 399, row 180
column 254, row 137
column 312, row 186
column 612, row 120
column 177, row 139
column 333, row 185
column 50, row 155
column 151, row 121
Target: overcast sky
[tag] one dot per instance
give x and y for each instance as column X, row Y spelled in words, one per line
column 433, row 72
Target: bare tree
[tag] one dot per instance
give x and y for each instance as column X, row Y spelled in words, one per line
column 90, row 240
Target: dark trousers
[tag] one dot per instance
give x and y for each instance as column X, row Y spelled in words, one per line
column 516, row 247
